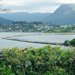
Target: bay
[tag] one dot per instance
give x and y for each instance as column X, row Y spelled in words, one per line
column 41, row 37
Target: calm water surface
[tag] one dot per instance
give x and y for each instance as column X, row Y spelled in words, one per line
column 33, row 37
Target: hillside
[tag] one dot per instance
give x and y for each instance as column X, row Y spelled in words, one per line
column 23, row 16
column 65, row 14
column 4, row 21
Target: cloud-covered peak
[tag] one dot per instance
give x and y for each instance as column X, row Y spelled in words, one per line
column 34, row 5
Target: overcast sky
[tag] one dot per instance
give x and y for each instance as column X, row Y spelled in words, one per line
column 33, row 5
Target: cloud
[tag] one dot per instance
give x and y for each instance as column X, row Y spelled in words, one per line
column 11, row 2
column 29, row 5
column 1, row 2
column 23, row 2
column 34, row 5
column 65, row 1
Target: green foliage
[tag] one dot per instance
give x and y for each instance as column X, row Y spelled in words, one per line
column 36, row 27
column 67, row 43
column 41, row 61
column 73, row 42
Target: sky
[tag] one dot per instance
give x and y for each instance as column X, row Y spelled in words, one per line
column 33, row 5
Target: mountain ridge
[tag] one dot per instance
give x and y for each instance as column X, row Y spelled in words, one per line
column 5, row 21
column 63, row 15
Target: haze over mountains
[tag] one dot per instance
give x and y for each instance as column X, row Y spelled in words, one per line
column 4, row 21
column 65, row 14
column 23, row 16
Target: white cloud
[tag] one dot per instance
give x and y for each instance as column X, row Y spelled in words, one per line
column 28, row 5
column 23, row 2
column 12, row 2
column 65, row 1
column 34, row 5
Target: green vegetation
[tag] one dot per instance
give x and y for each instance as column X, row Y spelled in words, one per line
column 36, row 27
column 41, row 61
column 69, row 43
column 72, row 42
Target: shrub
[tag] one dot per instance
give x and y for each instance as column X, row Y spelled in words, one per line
column 72, row 42
column 67, row 43
column 42, row 61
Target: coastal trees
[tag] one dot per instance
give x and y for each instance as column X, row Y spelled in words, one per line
column 69, row 43
column 72, row 42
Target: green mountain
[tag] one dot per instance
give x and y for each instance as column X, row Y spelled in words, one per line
column 65, row 14
column 4, row 21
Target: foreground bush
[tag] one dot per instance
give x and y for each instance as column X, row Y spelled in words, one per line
column 42, row 61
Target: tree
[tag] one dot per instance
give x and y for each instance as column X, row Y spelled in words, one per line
column 72, row 42
column 67, row 43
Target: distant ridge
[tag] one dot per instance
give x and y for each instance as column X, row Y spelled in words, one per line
column 64, row 15
column 24, row 16
column 4, row 21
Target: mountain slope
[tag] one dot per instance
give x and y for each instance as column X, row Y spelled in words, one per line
column 65, row 14
column 4, row 21
column 23, row 16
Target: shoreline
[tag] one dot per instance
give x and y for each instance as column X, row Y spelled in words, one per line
column 38, row 42
column 61, row 33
